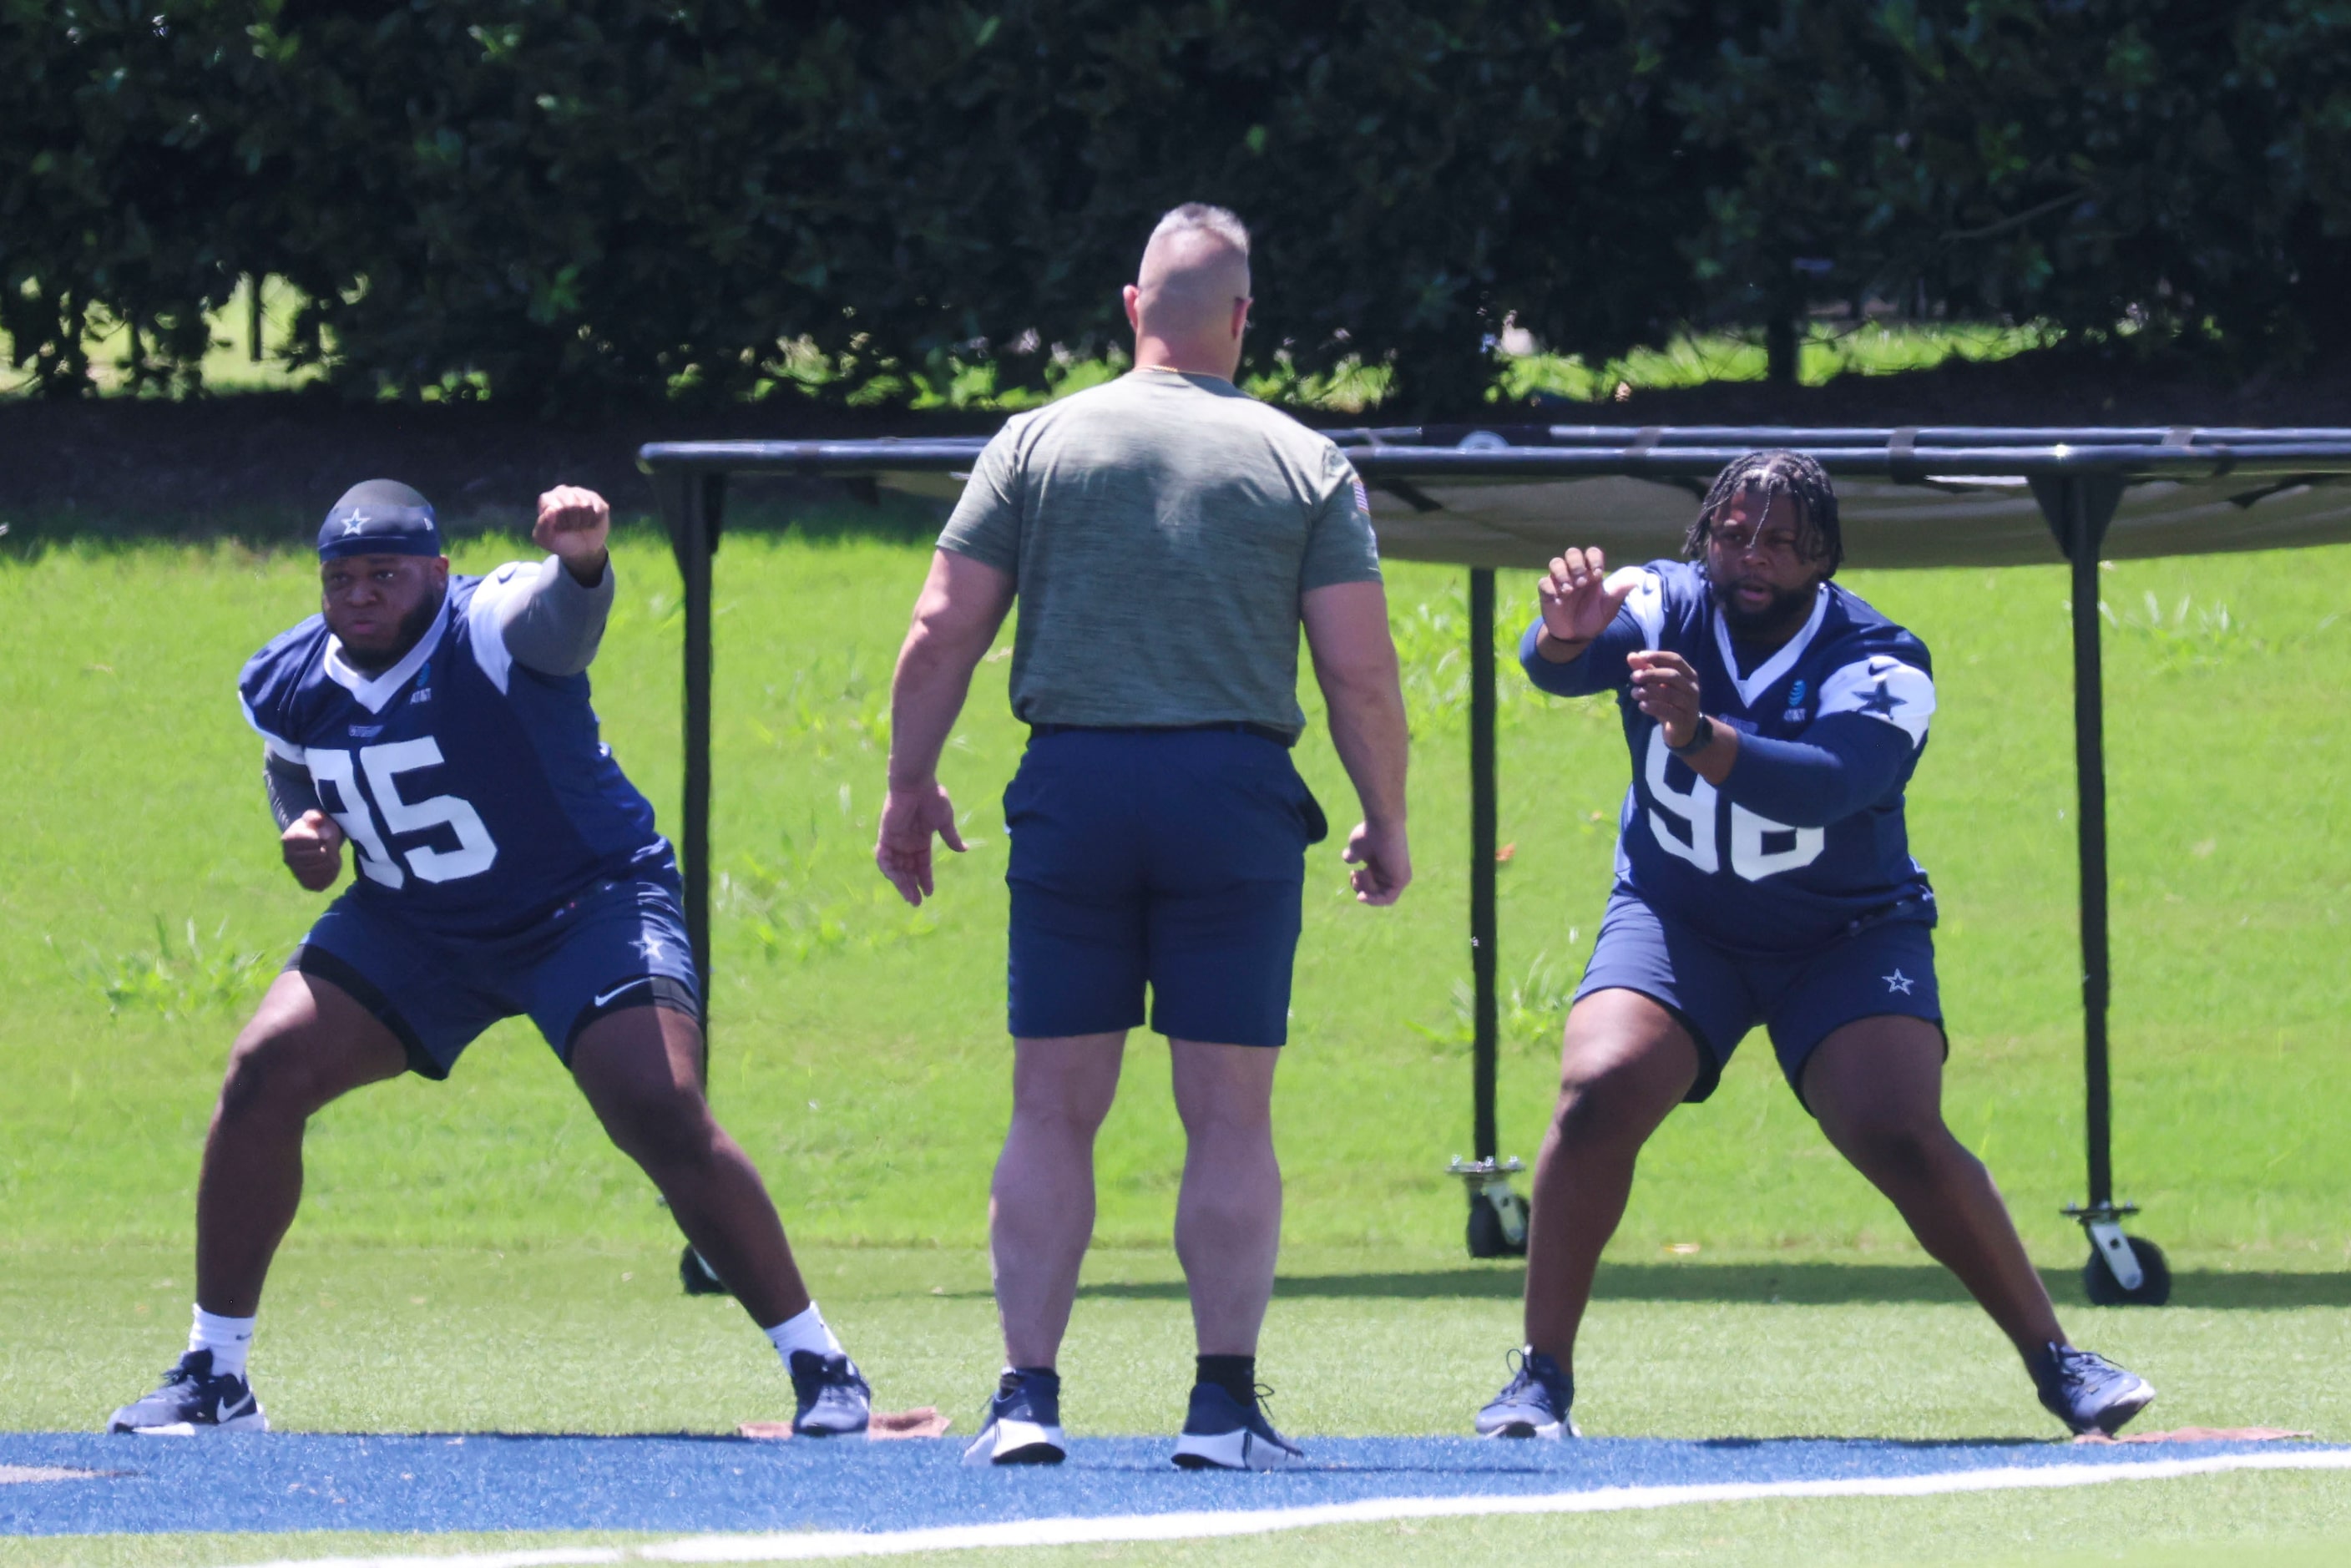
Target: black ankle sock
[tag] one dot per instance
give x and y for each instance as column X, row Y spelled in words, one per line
column 1236, row 1374
column 1044, row 1375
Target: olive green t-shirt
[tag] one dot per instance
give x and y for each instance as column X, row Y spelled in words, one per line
column 1160, row 531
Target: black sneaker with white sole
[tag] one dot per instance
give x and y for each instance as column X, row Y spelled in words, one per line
column 1023, row 1423
column 193, row 1398
column 831, row 1394
column 1221, row 1433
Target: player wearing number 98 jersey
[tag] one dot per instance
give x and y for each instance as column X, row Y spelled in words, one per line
column 1778, row 860
column 505, row 867
column 1782, row 859
column 1763, row 875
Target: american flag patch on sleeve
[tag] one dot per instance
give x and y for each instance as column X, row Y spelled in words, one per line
column 1363, row 496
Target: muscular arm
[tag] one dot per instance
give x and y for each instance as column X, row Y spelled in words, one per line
column 955, row 619
column 1845, row 763
column 1355, row 664
column 962, row 604
column 555, row 625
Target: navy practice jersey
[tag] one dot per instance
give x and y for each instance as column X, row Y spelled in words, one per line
column 1741, row 880
column 475, row 793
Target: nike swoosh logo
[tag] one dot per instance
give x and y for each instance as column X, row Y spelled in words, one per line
column 621, row 990
column 231, row 1412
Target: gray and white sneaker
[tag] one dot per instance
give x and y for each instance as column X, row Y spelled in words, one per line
column 1023, row 1423
column 2087, row 1392
column 193, row 1398
column 1534, row 1403
column 833, row 1400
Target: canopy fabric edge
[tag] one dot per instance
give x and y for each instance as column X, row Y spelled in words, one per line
column 1513, row 497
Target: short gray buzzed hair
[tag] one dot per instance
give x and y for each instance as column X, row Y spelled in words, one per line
column 1200, row 217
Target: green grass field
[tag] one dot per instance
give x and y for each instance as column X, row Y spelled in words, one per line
column 1758, row 1286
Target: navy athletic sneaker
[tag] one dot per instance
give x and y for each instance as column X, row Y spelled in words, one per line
column 193, row 1398
column 1221, row 1433
column 2087, row 1392
column 834, row 1401
column 1023, row 1423
column 1533, row 1404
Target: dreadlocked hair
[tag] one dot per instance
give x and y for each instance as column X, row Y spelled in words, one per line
column 1768, row 476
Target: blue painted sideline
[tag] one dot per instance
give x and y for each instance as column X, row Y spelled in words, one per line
column 490, row 1482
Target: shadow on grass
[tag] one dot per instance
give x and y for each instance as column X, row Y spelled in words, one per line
column 1790, row 1284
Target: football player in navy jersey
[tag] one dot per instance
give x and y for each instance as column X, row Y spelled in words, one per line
column 440, row 727
column 1763, row 875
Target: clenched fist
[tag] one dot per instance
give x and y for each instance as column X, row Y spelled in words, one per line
column 313, row 848
column 572, row 526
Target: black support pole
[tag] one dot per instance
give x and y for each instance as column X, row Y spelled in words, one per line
column 692, row 505
column 2081, row 540
column 1482, row 858
column 703, row 498
column 2122, row 1269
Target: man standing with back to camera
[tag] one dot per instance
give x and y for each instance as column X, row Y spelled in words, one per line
column 1763, row 875
column 1166, row 535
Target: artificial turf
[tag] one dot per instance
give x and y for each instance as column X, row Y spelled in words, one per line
column 2275, row 1521
column 472, row 1255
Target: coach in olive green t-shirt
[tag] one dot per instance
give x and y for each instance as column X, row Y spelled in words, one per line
column 1172, row 503
column 1167, row 537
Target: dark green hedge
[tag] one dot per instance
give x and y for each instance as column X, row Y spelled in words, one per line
column 573, row 202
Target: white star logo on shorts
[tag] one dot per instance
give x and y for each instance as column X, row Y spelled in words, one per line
column 1898, row 981
column 650, row 948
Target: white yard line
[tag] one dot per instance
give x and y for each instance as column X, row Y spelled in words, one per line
column 29, row 1475
column 816, row 1546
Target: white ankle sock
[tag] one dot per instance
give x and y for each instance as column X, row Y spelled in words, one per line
column 227, row 1338
column 807, row 1331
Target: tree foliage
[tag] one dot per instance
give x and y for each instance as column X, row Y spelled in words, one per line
column 569, row 201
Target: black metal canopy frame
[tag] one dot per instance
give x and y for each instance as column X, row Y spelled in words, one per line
column 1509, row 496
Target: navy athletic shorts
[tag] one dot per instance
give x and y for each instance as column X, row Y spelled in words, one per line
column 1718, row 996
column 1169, row 858
column 621, row 943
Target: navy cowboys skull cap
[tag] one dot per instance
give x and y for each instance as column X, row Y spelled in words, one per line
column 381, row 516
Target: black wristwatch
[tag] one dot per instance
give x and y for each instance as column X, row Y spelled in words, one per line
column 1700, row 739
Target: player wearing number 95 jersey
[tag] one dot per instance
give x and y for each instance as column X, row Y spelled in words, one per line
column 1763, row 875
column 505, row 867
